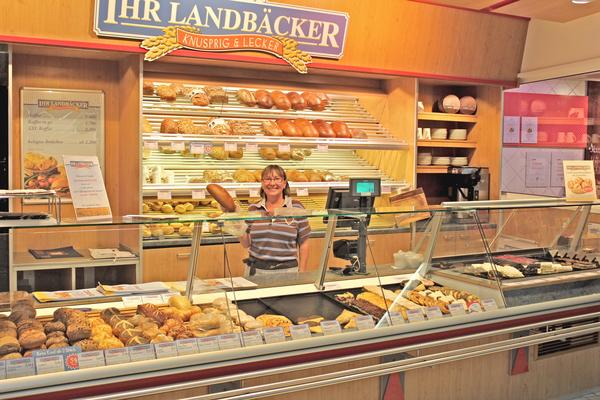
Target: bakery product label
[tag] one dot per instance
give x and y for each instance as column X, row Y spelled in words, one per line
column 142, row 352
column 67, row 355
column 20, row 367
column 229, row 341
column 186, row 346
column 252, row 338
column 364, row 322
column 433, row 312
column 91, row 359
column 2, row 369
column 330, row 327
column 301, row 331
column 456, row 309
column 274, row 334
column 415, row 315
column 397, row 318
column 165, row 349
column 131, row 301
column 489, row 304
column 210, row 343
column 49, row 364
column 117, row 356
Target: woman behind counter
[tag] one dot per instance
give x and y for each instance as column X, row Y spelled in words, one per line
column 281, row 243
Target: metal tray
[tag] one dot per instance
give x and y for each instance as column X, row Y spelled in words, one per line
column 296, row 307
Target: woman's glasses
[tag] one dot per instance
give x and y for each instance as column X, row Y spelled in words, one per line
column 276, row 179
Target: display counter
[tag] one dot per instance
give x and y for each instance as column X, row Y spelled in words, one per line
column 366, row 328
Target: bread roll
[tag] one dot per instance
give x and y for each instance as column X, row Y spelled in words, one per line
column 53, row 326
column 179, row 89
column 148, row 87
column 86, row 345
column 216, row 94
column 324, row 100
column 283, row 155
column 358, row 134
column 271, row 128
column 306, row 128
column 297, row 155
column 32, row 338
column 312, row 101
column 263, row 99
column 180, row 302
column 200, row 99
column 267, row 153
column 8, row 332
column 166, row 92
column 185, row 125
column 281, row 101
column 341, row 129
column 297, row 101
column 236, row 155
column 221, row 196
column 9, row 344
column 246, row 97
column 11, row 356
column 288, row 128
column 324, row 128
column 7, row 324
column 168, row 125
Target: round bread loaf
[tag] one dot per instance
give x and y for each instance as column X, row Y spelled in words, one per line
column 200, row 99
column 32, row 339
column 78, row 331
column 21, row 312
column 324, row 128
column 54, row 334
column 168, row 125
column 8, row 332
column 54, row 326
column 306, row 128
column 56, row 340
column 137, row 340
column 166, row 92
column 246, row 97
column 263, row 99
column 468, row 105
column 58, row 345
column 312, row 101
column 281, row 101
column 148, row 87
column 8, row 344
column 297, row 101
column 324, row 100
column 288, row 128
column 449, row 104
column 6, row 323
column 341, row 129
column 26, row 324
column 86, row 345
column 108, row 313
column 221, row 196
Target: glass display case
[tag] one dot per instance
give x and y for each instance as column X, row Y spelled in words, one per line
column 448, row 268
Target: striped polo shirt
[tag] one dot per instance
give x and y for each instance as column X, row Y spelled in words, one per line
column 277, row 239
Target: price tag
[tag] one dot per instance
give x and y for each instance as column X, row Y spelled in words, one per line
column 283, row 148
column 67, row 355
column 230, row 146
column 163, row 195
column 2, row 369
column 91, row 359
column 274, row 335
column 197, row 148
column 229, row 341
column 131, row 301
column 301, row 331
column 165, row 349
column 322, row 147
column 251, row 147
column 475, row 308
column 489, row 304
column 386, row 189
column 415, row 315
column 198, row 194
column 142, row 352
column 456, row 309
column 152, row 299
column 254, row 193
column 397, row 318
column 117, row 356
column 210, row 343
column 177, row 146
column 364, row 322
column 150, row 145
column 433, row 312
column 252, row 338
column 232, row 193
column 187, row 346
column 165, row 297
column 20, row 367
column 330, row 327
column 302, row 192
column 49, row 364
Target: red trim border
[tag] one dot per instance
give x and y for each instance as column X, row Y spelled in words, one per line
column 286, row 361
column 251, row 59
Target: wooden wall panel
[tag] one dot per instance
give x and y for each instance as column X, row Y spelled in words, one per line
column 394, row 35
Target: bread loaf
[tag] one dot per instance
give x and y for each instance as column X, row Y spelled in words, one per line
column 271, row 128
column 166, row 92
column 312, row 101
column 297, row 102
column 288, row 128
column 148, row 87
column 216, row 94
column 246, row 97
column 185, row 125
column 281, row 101
column 263, row 99
column 32, row 339
column 267, row 153
column 168, row 125
column 341, row 129
column 53, row 326
column 199, row 98
column 221, row 196
column 9, row 344
column 358, row 134
column 306, row 128
column 323, row 128
column 324, row 100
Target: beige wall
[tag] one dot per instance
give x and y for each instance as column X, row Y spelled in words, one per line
column 554, row 49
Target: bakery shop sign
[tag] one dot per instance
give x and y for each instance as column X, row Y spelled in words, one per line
column 292, row 33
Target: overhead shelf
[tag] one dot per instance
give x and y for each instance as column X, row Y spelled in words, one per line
column 373, row 142
column 432, row 169
column 437, row 116
column 462, row 144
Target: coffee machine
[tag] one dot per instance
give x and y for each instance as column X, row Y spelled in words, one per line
column 468, row 184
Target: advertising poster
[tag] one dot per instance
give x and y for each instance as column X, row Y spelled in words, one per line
column 87, row 188
column 56, row 122
column 580, row 180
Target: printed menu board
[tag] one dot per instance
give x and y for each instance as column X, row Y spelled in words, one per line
column 580, row 181
column 56, row 122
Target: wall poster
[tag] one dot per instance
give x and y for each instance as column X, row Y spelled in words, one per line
column 55, row 122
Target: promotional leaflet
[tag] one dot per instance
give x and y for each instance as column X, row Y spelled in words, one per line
column 87, row 187
column 580, row 180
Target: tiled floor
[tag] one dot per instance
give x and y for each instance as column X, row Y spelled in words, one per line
column 590, row 394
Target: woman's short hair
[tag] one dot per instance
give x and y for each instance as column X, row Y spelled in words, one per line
column 277, row 170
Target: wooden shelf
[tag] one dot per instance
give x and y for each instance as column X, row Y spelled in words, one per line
column 462, row 144
column 432, row 169
column 436, row 116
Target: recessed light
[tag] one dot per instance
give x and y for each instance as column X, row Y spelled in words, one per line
column 581, row 1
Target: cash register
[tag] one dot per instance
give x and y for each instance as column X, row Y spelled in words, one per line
column 358, row 198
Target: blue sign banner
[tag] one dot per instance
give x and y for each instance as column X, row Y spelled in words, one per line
column 318, row 32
